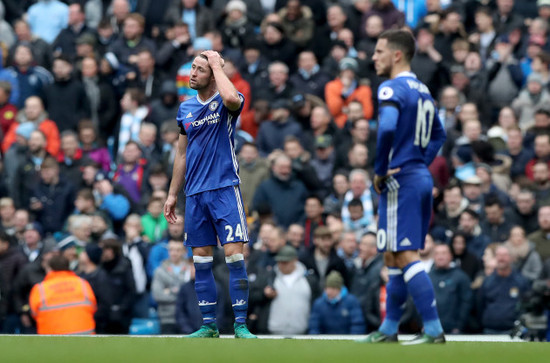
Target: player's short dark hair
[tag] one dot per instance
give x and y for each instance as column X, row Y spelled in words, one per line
column 400, row 40
column 355, row 202
column 59, row 263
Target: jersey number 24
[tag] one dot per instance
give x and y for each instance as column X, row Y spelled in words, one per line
column 424, row 121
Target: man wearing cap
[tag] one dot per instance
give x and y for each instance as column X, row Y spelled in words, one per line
column 283, row 295
column 337, row 311
column 346, row 88
column 76, row 27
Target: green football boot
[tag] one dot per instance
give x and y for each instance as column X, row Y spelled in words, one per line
column 206, row 331
column 242, row 332
column 426, row 339
column 378, row 337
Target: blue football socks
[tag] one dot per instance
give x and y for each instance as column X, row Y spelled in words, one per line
column 238, row 286
column 396, row 291
column 421, row 289
column 205, row 286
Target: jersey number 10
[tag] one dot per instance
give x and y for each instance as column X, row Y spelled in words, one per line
column 424, row 120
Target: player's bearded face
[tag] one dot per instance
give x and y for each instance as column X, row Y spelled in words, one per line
column 201, row 74
column 383, row 58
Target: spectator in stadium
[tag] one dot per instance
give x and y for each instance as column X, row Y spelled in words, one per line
column 519, row 154
column 63, row 303
column 153, row 222
column 347, row 248
column 135, row 111
column 272, row 133
column 174, row 51
column 280, row 188
column 346, row 88
column 70, row 158
column 52, row 200
column 167, row 280
column 463, row 259
column 282, row 297
column 452, row 291
column 198, row 17
column 427, row 62
column 48, row 18
column 31, row 274
column 7, row 215
column 476, row 241
column 253, row 171
column 320, row 124
column 166, row 106
column 525, row 259
column 275, row 46
column 497, row 224
column 500, row 294
column 323, row 162
column 524, row 211
column 65, row 99
column 301, row 163
column 322, row 259
column 89, row 261
column 31, row 78
column 295, row 236
column 34, row 113
column 529, row 99
column 159, row 251
column 41, row 51
column 235, row 27
column 16, row 155
column 12, row 262
column 336, row 19
column 27, row 174
column 7, row 110
column 542, row 153
column 147, row 78
column 132, row 40
column 65, row 41
column 91, row 146
column 230, row 69
column 391, row 16
column 337, row 311
column 147, row 142
column 540, row 236
column 279, row 87
column 121, row 284
column 309, row 78
column 109, row 200
column 359, row 189
column 298, row 23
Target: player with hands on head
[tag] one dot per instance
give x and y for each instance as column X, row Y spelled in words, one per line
column 205, row 160
column 410, row 135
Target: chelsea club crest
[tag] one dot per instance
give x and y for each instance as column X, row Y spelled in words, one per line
column 213, row 106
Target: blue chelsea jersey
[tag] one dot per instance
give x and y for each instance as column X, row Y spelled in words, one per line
column 210, row 129
column 417, row 132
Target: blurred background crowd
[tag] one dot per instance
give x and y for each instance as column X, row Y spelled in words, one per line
column 89, row 91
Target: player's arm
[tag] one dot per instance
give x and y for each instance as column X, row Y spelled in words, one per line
column 387, row 124
column 178, row 177
column 437, row 139
column 227, row 90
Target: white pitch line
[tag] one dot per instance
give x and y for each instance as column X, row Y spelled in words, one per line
column 450, row 338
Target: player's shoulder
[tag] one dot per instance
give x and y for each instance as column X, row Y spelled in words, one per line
column 389, row 89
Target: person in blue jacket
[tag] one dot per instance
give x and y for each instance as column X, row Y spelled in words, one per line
column 337, row 311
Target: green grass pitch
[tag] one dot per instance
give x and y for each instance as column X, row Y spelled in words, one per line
column 126, row 349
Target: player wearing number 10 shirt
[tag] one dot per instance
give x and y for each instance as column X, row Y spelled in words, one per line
column 410, row 135
column 214, row 210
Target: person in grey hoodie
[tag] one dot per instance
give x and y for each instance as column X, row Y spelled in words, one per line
column 167, row 281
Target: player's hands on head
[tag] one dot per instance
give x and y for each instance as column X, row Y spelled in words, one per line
column 214, row 58
column 170, row 209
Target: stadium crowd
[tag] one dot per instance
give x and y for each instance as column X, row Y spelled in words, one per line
column 89, row 92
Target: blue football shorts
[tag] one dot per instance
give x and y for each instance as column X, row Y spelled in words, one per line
column 215, row 214
column 404, row 212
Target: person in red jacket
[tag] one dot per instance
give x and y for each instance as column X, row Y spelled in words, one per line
column 7, row 110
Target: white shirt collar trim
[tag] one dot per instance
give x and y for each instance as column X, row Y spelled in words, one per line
column 406, row 74
column 208, row 100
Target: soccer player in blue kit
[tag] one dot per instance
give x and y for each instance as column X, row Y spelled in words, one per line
column 410, row 135
column 205, row 156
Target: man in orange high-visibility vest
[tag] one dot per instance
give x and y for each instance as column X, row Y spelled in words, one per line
column 63, row 303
